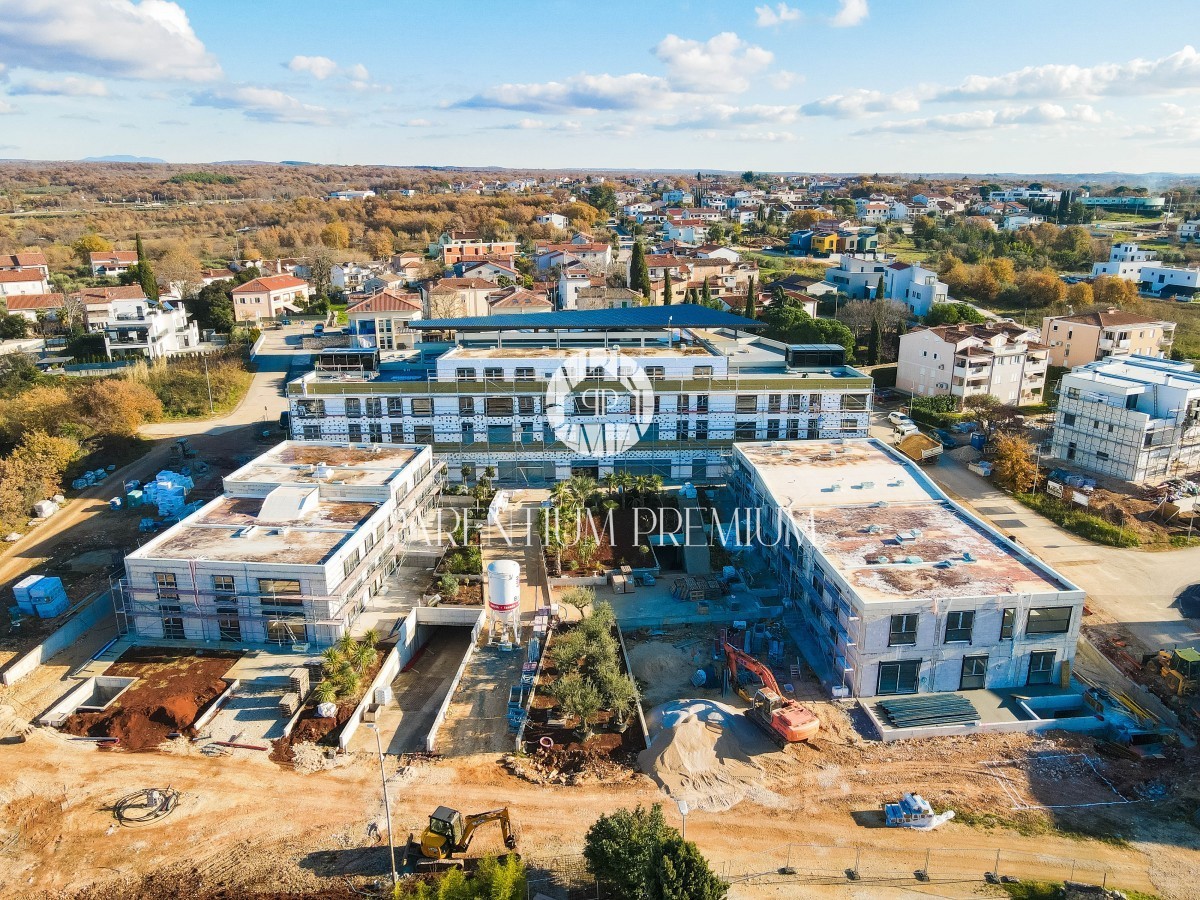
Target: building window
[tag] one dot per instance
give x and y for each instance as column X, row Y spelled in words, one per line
column 974, row 673
column 465, row 374
column 229, row 627
column 703, row 371
column 773, row 401
column 772, row 429
column 1068, row 418
column 1008, row 618
column 354, row 433
column 222, row 584
column 499, row 406
column 397, row 433
column 466, row 406
column 525, row 406
column 1041, row 667
column 899, row 677
column 493, row 373
column 959, row 625
column 468, row 433
column 422, row 434
column 702, row 403
column 793, row 403
column 904, row 630
column 1048, row 620
column 500, row 434
column 793, row 429
column 375, row 433
column 702, row 431
column 395, row 406
column 656, row 373
column 272, row 586
column 312, row 409
column 166, row 585
column 745, row 431
column 374, row 407
column 421, row 406
column 312, row 432
column 747, row 403
column 172, row 621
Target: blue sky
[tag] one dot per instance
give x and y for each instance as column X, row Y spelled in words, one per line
column 825, row 85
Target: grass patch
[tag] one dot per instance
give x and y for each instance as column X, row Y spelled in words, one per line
column 183, row 386
column 1086, row 525
column 1035, row 823
column 1052, row 890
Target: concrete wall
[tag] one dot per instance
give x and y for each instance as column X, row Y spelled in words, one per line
column 89, row 614
column 431, row 738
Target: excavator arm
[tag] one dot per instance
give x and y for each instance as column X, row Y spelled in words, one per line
column 496, row 815
column 735, row 657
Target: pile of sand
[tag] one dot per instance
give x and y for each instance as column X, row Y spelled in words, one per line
column 704, row 754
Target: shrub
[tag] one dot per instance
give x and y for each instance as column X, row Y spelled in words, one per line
column 448, row 586
column 1079, row 522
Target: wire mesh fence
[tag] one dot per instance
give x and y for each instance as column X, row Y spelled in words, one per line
column 567, row 877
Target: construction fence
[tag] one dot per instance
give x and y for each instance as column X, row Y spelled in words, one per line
column 567, row 877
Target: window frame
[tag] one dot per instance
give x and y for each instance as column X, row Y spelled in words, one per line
column 893, row 631
column 1050, row 613
column 953, row 634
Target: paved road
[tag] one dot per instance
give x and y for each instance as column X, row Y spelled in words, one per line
column 1135, row 587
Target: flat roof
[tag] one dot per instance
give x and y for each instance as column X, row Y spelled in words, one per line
column 296, row 462
column 683, row 315
column 550, row 352
column 232, row 529
column 888, row 531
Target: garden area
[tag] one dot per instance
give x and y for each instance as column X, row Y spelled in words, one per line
column 585, row 702
column 591, row 527
column 349, row 667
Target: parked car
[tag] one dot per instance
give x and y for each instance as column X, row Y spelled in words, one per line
column 899, row 418
column 285, row 321
column 904, row 429
column 318, row 330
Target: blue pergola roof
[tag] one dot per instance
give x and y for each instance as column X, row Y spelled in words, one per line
column 683, row 315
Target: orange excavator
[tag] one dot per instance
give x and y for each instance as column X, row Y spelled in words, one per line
column 784, row 720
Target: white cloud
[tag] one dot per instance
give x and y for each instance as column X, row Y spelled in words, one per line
column 1179, row 71
column 6, row 107
column 770, row 17
column 61, row 87
column 721, row 64
column 152, row 39
column 783, row 79
column 418, row 123
column 852, row 12
column 319, row 67
column 861, row 102
column 984, row 119
column 579, row 92
column 263, row 104
column 358, row 72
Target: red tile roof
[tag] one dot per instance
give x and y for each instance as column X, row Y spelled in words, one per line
column 34, row 301
column 387, row 301
column 105, row 294
column 270, row 283
column 124, row 257
column 10, row 276
column 24, row 258
column 462, row 283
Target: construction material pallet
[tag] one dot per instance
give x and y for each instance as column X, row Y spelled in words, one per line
column 926, row 710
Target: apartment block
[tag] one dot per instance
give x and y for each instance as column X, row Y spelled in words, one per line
column 297, row 546
column 998, row 358
column 1125, row 260
column 1131, row 417
column 488, row 396
column 892, row 588
column 915, row 286
column 1077, row 340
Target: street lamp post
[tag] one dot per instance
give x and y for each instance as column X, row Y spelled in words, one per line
column 387, row 805
column 683, row 811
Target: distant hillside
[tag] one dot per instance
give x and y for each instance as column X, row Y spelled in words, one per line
column 123, row 157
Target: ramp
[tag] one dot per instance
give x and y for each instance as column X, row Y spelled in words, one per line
column 696, row 558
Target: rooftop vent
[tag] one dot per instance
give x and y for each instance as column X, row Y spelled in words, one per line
column 867, row 485
column 321, row 471
column 967, row 557
column 245, row 531
column 874, row 529
column 880, row 504
column 913, row 560
column 882, row 560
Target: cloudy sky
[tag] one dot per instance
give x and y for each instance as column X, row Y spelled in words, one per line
column 831, row 85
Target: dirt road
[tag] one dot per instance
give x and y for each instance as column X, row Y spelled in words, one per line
column 245, row 823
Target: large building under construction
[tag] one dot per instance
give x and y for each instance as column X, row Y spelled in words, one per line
column 894, row 589
column 296, row 547
column 507, row 392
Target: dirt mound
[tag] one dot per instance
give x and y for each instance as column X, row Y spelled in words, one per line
column 663, row 670
column 179, row 711
column 704, row 756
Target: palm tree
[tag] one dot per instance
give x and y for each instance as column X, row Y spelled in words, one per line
column 325, row 692
column 370, row 637
column 583, row 488
column 363, row 657
column 625, row 483
column 610, row 483
column 562, row 495
column 331, row 659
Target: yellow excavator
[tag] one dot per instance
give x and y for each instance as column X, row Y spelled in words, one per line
column 450, row 832
column 1179, row 668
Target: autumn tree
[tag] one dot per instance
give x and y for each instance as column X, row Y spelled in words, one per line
column 88, row 244
column 1111, row 291
column 1041, row 287
column 1080, row 296
column 1013, row 463
column 336, row 236
column 117, row 405
column 180, row 268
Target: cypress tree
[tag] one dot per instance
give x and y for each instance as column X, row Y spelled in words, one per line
column 706, row 293
column 750, row 312
column 667, row 300
column 778, row 298
column 145, row 272
column 881, row 290
column 873, row 343
column 639, row 275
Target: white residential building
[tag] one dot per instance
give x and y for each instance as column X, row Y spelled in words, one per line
column 1017, row 222
column 351, row 195
column 300, row 543
column 1003, row 360
column 916, row 287
column 112, row 262
column 1164, row 281
column 349, row 276
column 489, row 399
column 1189, row 231
column 871, row 211
column 139, row 327
column 1024, row 195
column 382, row 319
column 893, row 587
column 552, row 219
column 858, row 276
column 1131, row 417
column 1126, row 261
column 25, row 259
column 14, row 282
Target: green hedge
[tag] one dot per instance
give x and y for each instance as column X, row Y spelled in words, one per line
column 1077, row 521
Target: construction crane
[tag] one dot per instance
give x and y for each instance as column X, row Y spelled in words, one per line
column 784, row 720
column 450, row 832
